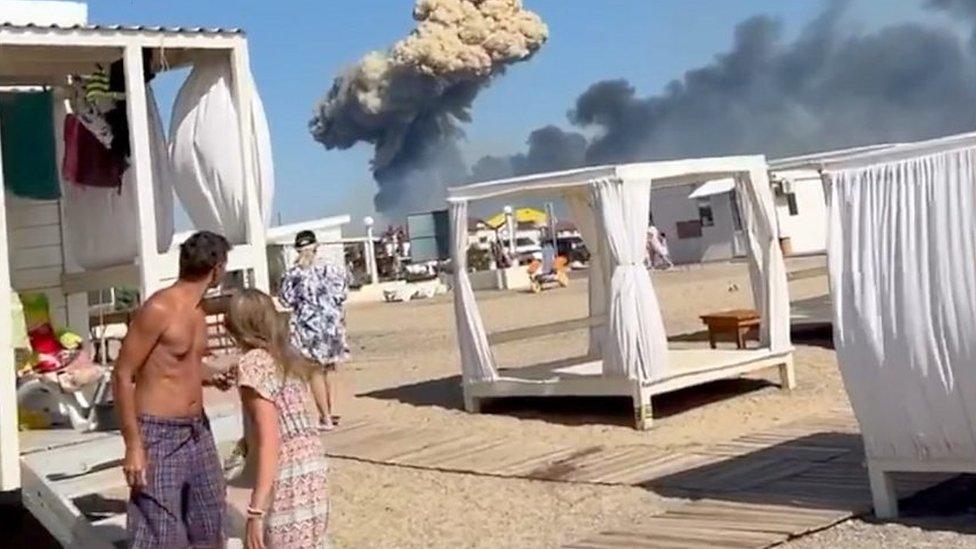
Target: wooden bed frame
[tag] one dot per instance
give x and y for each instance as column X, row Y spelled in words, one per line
column 583, row 376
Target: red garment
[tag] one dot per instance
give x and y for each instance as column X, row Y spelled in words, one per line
column 45, row 343
column 86, row 160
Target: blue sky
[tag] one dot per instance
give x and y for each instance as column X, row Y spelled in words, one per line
column 297, row 47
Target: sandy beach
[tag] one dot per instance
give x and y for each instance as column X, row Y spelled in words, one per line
column 405, row 369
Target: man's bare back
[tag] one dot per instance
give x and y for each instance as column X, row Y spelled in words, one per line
column 169, row 384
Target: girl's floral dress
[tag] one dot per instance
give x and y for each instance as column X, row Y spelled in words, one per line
column 299, row 513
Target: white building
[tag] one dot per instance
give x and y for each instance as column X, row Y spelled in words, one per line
column 281, row 244
column 702, row 222
column 480, row 235
column 64, row 247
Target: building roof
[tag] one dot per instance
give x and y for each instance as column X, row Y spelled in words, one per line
column 93, row 29
column 665, row 173
column 285, row 234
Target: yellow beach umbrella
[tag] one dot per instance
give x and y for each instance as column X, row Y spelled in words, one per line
column 521, row 215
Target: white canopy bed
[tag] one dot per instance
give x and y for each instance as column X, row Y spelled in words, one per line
column 628, row 349
column 218, row 162
column 902, row 264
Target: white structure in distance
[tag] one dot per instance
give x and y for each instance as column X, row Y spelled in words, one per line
column 281, row 244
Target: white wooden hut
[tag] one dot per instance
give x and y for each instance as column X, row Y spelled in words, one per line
column 39, row 240
column 901, row 257
column 281, row 244
column 628, row 349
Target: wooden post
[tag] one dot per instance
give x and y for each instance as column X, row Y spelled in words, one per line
column 255, row 229
column 883, row 493
column 9, row 436
column 141, row 164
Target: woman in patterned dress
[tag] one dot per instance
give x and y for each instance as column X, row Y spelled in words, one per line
column 316, row 295
column 289, row 506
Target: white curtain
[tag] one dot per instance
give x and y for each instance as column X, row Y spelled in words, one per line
column 101, row 224
column 636, row 346
column 767, row 270
column 583, row 216
column 205, row 148
column 477, row 361
column 902, row 262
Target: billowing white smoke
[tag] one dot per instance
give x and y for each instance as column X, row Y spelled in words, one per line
column 408, row 102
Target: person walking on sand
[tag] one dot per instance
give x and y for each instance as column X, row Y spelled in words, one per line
column 316, row 295
column 663, row 252
column 289, row 502
column 171, row 464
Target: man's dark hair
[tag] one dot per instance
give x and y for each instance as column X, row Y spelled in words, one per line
column 201, row 253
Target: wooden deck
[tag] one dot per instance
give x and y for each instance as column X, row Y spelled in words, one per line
column 754, row 491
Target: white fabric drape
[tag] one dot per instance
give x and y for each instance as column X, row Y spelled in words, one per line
column 902, row 262
column 582, row 214
column 477, row 361
column 767, row 270
column 205, row 148
column 636, row 346
column 101, row 224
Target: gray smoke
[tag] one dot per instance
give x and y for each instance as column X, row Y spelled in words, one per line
column 550, row 148
column 410, row 101
column 829, row 88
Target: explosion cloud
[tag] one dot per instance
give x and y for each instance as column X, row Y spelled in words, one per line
column 410, row 101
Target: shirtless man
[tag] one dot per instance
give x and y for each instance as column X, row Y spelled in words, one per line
column 171, row 462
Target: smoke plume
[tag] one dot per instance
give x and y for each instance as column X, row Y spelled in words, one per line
column 829, row 88
column 410, row 101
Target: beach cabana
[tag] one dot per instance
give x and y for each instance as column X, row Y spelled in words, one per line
column 902, row 267
column 628, row 352
column 76, row 239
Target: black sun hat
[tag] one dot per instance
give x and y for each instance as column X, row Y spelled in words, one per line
column 305, row 238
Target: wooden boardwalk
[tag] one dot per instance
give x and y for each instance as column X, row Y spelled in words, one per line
column 754, row 491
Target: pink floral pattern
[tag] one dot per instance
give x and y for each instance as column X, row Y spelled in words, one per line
column 299, row 514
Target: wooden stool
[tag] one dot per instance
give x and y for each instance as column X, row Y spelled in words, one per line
column 736, row 323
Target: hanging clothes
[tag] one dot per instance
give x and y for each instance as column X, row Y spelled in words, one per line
column 102, row 224
column 91, row 113
column 86, row 160
column 27, row 139
column 101, row 107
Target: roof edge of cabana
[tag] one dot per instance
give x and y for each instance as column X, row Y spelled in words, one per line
column 680, row 171
column 118, row 36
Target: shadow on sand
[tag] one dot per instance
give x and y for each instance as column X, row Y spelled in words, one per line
column 824, row 471
column 446, row 393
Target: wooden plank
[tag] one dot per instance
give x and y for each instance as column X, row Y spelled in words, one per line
column 90, row 483
column 739, row 474
column 444, row 451
column 36, row 258
column 56, row 513
column 34, row 279
column 595, row 467
column 463, row 459
column 524, row 465
column 30, row 237
column 28, row 214
column 662, row 466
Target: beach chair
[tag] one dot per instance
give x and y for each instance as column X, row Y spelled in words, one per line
column 552, row 271
column 85, row 403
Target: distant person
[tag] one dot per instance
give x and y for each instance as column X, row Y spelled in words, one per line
column 171, row 464
column 652, row 243
column 664, row 252
column 289, row 504
column 316, row 295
